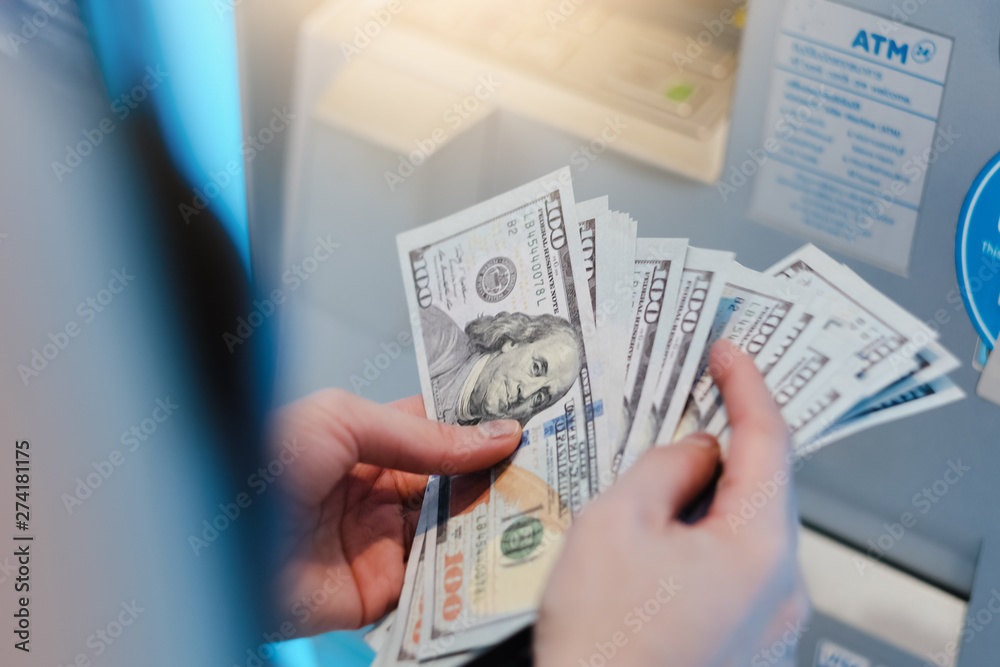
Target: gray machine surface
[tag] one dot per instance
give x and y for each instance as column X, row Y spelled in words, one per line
column 352, row 308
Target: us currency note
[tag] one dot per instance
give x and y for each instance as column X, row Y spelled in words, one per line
column 656, row 281
column 817, row 364
column 880, row 326
column 881, row 332
column 754, row 313
column 401, row 644
column 609, row 250
column 791, row 350
column 377, row 637
column 884, row 408
column 930, row 358
column 500, row 296
column 933, row 361
column 587, row 214
column 674, row 361
column 826, row 360
column 820, row 420
column 797, row 380
column 404, row 635
column 814, row 318
column 613, row 311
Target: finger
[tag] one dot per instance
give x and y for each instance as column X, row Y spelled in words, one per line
column 398, row 439
column 334, row 430
column 411, row 405
column 758, row 460
column 665, row 479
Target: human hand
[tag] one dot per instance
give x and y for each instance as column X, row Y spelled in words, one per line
column 635, row 586
column 353, row 497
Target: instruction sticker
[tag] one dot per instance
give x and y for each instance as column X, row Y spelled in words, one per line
column 851, row 130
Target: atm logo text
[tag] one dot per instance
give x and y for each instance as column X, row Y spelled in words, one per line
column 879, row 45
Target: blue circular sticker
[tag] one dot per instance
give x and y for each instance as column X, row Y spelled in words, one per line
column 977, row 252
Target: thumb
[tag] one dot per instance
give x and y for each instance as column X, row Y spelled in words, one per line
column 335, row 430
column 758, row 454
column 667, row 478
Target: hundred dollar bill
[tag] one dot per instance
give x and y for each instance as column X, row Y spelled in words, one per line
column 929, row 362
column 818, row 377
column 613, row 312
column 790, row 349
column 656, row 281
column 888, row 407
column 814, row 318
column 817, row 371
column 587, row 214
column 816, row 364
column 882, row 332
column 931, row 359
column 502, row 308
column 674, row 361
column 401, row 643
column 377, row 637
column 609, row 250
column 798, row 379
column 753, row 314
column 813, row 421
column 881, row 327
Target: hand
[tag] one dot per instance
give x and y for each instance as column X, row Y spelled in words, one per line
column 353, row 496
column 636, row 585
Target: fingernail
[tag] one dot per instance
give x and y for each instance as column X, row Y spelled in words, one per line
column 701, row 440
column 500, row 428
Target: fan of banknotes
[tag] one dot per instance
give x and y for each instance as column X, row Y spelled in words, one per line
column 534, row 307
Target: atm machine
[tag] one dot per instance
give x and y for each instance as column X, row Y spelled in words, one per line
column 868, row 127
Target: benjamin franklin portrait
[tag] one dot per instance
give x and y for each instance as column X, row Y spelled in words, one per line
column 504, row 366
